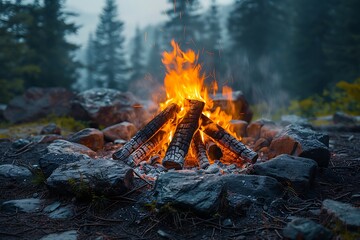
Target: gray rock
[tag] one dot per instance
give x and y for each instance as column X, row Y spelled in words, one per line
column 342, row 216
column 62, row 152
column 204, row 193
column 21, row 142
column 16, row 173
column 302, row 228
column 299, row 172
column 52, row 207
column 28, row 205
column 108, row 106
column 246, row 189
column 124, row 130
column 37, row 103
column 294, row 119
column 102, row 177
column 302, row 142
column 62, row 213
column 189, row 190
column 343, row 118
column 68, row 235
column 89, row 137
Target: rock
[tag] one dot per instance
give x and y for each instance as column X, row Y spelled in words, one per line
column 234, row 105
column 302, row 142
column 260, row 143
column 342, row 217
column 343, row 118
column 90, row 137
column 189, row 190
column 204, row 193
column 254, row 128
column 102, row 177
column 239, row 127
column 37, row 103
column 124, row 130
column 297, row 171
column 52, row 207
column 15, row 173
column 51, row 128
column 302, row 228
column 62, row 152
column 62, row 213
column 68, row 235
column 28, row 205
column 63, row 146
column 246, row 189
column 269, row 131
column 20, row 143
column 108, row 106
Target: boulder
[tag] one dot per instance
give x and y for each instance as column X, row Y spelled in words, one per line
column 303, row 142
column 341, row 217
column 62, row 152
column 297, row 172
column 15, row 173
column 86, row 177
column 245, row 189
column 235, row 105
column 89, row 137
column 239, row 127
column 254, row 128
column 302, row 228
column 124, row 130
column 201, row 193
column 106, row 107
column 28, row 205
column 37, row 103
column 294, row 119
column 343, row 118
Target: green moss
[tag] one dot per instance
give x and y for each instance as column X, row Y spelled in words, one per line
column 39, row 177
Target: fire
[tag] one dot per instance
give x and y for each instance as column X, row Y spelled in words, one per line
column 184, row 80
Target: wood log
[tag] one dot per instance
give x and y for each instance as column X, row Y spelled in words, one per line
column 213, row 151
column 223, row 138
column 179, row 145
column 143, row 135
column 145, row 150
column 200, row 151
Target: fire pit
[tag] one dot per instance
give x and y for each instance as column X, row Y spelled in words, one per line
column 181, row 135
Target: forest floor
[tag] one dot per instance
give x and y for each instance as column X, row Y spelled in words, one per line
column 125, row 217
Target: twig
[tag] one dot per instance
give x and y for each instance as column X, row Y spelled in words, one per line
column 273, row 217
column 341, row 196
column 108, row 220
column 133, row 190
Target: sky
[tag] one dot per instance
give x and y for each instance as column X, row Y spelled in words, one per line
column 132, row 12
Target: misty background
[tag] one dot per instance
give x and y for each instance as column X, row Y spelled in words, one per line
column 274, row 51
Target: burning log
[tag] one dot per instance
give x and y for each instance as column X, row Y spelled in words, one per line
column 146, row 132
column 144, row 151
column 219, row 135
column 200, row 151
column 214, row 151
column 179, row 146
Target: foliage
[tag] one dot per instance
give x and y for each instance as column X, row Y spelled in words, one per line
column 345, row 97
column 136, row 58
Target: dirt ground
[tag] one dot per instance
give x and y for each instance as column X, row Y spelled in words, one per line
column 126, row 217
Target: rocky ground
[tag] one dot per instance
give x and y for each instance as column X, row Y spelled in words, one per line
column 133, row 215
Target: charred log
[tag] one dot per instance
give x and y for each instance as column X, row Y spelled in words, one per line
column 147, row 132
column 223, row 138
column 145, row 150
column 179, row 145
column 200, row 151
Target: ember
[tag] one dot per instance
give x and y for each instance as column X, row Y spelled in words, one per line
column 187, row 115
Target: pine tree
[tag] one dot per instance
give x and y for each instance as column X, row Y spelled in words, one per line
column 53, row 53
column 184, row 25
column 90, row 63
column 155, row 67
column 110, row 60
column 136, row 58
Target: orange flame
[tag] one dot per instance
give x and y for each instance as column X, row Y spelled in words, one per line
column 184, row 80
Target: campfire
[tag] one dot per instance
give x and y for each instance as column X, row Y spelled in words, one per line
column 189, row 130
